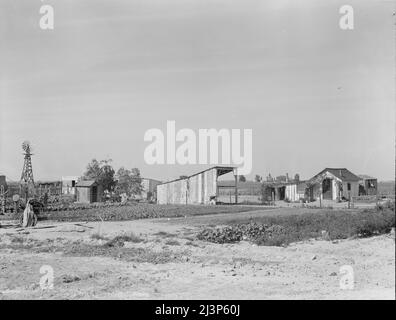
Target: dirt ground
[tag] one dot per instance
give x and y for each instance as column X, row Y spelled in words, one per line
column 167, row 262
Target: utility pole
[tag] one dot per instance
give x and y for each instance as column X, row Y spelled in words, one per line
column 236, row 189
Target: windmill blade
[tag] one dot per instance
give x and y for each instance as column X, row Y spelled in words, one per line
column 26, row 146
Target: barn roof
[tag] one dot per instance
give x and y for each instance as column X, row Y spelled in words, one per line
column 86, row 183
column 341, row 173
column 221, row 170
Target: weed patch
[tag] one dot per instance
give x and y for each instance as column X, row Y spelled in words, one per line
column 282, row 230
column 172, row 243
column 119, row 241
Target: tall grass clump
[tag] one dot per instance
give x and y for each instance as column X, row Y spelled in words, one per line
column 282, row 230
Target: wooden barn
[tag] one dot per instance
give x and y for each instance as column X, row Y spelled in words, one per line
column 199, row 188
column 88, row 191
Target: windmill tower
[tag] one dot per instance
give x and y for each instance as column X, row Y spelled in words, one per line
column 27, row 181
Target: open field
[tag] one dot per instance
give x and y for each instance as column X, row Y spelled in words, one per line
column 163, row 258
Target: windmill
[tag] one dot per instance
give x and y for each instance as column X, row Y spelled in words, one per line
column 27, row 172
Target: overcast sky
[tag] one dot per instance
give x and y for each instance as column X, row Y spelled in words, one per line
column 315, row 96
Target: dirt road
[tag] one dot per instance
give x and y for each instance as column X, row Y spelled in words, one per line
column 167, row 262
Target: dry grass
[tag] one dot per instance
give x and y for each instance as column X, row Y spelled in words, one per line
column 172, row 243
column 98, row 236
column 118, row 241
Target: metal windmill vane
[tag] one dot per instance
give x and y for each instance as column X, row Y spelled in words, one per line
column 27, row 171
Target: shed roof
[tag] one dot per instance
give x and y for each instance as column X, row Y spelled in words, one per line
column 220, row 171
column 86, row 183
column 341, row 173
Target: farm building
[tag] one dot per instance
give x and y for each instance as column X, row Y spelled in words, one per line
column 88, row 191
column 368, row 186
column 291, row 191
column 149, row 187
column 199, row 188
column 69, row 184
column 248, row 191
column 333, row 184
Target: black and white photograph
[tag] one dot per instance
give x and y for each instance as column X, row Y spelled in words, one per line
column 197, row 150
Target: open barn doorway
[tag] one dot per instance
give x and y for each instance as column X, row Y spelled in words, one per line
column 227, row 186
column 282, row 193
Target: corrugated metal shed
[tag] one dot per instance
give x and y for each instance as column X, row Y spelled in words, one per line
column 199, row 188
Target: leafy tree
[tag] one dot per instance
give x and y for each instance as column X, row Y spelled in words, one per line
column 93, row 170
column 129, row 181
column 136, row 186
column 242, row 178
column 124, row 180
column 102, row 172
column 258, row 178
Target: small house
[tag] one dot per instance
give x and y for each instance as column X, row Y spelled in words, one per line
column 69, row 184
column 293, row 191
column 149, row 188
column 368, row 186
column 334, row 184
column 88, row 191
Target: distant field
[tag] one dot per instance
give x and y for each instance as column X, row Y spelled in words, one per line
column 386, row 188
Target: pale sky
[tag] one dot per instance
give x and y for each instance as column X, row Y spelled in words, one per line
column 314, row 95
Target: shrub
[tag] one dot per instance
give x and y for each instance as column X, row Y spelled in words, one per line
column 253, row 232
column 118, row 241
column 389, row 204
